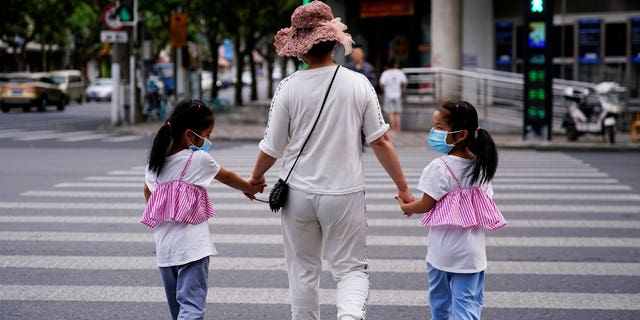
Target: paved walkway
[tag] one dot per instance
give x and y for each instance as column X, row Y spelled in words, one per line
column 249, row 124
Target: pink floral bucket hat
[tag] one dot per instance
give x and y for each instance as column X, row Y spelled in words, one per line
column 311, row 24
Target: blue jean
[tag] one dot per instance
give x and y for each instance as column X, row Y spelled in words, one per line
column 455, row 296
column 186, row 289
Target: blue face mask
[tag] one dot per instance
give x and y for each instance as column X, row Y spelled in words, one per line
column 438, row 141
column 206, row 145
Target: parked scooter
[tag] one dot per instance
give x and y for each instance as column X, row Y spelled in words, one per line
column 592, row 111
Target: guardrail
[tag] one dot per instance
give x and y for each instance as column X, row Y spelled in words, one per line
column 495, row 94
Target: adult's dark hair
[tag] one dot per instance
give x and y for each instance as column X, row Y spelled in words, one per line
column 392, row 63
column 322, row 48
column 461, row 115
column 189, row 114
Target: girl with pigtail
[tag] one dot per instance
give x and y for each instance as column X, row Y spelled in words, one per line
column 457, row 209
column 178, row 206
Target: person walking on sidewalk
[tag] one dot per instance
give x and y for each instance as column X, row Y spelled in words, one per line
column 325, row 210
column 358, row 64
column 393, row 83
column 178, row 205
column 458, row 208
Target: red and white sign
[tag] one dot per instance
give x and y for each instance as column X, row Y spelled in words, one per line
column 110, row 18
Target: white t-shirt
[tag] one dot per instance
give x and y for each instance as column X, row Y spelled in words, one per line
column 450, row 248
column 332, row 159
column 392, row 80
column 180, row 243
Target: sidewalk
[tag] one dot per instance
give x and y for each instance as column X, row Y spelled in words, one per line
column 248, row 124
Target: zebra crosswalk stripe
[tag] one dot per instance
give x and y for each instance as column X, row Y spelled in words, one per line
column 64, row 136
column 263, row 264
column 576, row 187
column 556, row 300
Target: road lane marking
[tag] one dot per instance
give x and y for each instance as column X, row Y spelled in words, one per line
column 587, row 268
column 275, row 221
column 369, row 195
column 374, row 186
column 53, row 135
column 372, row 240
column 27, row 217
column 86, row 137
column 502, row 299
column 122, row 139
column 259, row 207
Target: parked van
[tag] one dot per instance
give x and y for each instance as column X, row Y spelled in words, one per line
column 71, row 84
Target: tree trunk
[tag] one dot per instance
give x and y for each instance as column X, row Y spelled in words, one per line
column 18, row 58
column 239, row 57
column 212, row 38
column 43, row 54
column 270, row 60
column 254, row 82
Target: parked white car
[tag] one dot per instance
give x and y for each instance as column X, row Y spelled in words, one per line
column 100, row 90
column 71, row 84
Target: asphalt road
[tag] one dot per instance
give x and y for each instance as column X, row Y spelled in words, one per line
column 71, row 246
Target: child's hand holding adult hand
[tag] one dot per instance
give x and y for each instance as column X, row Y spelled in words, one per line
column 402, row 202
column 257, row 186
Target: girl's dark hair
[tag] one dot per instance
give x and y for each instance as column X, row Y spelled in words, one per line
column 321, row 48
column 189, row 114
column 461, row 115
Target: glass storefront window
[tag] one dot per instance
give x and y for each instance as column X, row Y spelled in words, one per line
column 615, row 39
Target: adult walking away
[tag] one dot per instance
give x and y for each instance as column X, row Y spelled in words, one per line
column 360, row 65
column 393, row 83
column 325, row 211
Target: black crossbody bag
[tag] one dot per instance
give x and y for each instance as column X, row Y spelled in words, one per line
column 280, row 191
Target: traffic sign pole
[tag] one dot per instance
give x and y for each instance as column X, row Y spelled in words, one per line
column 538, row 70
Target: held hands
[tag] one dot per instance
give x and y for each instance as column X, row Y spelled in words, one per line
column 257, row 186
column 403, row 199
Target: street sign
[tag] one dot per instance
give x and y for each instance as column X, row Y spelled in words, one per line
column 113, row 36
column 178, row 30
column 110, row 18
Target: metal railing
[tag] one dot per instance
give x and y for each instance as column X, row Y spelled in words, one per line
column 495, row 94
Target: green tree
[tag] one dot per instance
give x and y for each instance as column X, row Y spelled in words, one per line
column 17, row 28
column 84, row 25
column 212, row 20
column 256, row 20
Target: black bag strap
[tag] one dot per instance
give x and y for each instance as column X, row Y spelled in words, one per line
column 314, row 124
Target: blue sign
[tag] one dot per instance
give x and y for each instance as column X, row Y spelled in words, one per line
column 504, row 43
column 537, row 34
column 635, row 40
column 589, row 41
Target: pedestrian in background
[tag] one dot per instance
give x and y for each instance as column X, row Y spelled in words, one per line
column 458, row 208
column 358, row 64
column 178, row 205
column 325, row 211
column 393, row 83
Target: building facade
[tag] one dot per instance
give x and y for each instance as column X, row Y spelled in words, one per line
column 593, row 40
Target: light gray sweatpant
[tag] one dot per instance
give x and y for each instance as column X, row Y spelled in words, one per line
column 336, row 224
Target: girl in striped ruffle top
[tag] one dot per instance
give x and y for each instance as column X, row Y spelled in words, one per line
column 178, row 205
column 457, row 209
